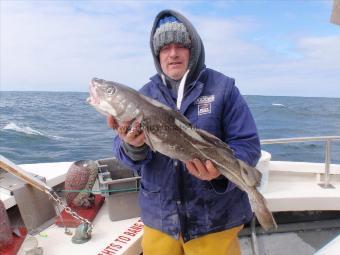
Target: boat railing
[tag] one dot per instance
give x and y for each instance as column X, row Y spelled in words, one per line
column 328, row 150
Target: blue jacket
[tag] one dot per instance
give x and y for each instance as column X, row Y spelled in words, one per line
column 171, row 199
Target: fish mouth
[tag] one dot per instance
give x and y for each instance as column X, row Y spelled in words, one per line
column 93, row 99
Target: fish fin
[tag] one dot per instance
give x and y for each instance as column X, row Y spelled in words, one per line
column 156, row 103
column 174, row 113
column 148, row 140
column 263, row 214
column 181, row 117
column 214, row 140
column 191, row 132
column 17, row 232
column 250, row 175
column 140, row 119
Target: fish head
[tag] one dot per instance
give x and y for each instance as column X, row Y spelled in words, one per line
column 111, row 98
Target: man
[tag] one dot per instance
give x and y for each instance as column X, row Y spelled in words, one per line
column 189, row 208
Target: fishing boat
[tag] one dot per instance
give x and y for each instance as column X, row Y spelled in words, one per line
column 304, row 197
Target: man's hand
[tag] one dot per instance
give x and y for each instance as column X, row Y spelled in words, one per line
column 202, row 171
column 131, row 134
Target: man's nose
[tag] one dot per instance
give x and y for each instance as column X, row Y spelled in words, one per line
column 173, row 51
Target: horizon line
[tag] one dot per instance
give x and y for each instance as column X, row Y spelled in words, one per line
column 57, row 91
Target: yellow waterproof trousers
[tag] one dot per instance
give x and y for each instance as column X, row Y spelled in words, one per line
column 226, row 242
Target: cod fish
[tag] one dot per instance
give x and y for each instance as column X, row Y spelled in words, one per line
column 170, row 133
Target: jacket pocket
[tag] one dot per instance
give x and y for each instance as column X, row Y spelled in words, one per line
column 150, row 203
column 222, row 185
column 224, row 209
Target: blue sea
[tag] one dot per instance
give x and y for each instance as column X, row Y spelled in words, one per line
column 61, row 126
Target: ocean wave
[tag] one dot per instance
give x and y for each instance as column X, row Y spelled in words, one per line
column 278, row 105
column 29, row 131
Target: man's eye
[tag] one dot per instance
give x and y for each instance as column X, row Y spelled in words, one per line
column 166, row 47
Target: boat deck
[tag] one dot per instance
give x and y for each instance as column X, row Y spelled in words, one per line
column 108, row 237
column 292, row 186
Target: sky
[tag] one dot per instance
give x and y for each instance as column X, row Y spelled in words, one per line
column 281, row 48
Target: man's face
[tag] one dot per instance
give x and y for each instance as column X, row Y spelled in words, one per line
column 174, row 60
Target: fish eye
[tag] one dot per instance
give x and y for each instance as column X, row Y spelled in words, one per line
column 110, row 90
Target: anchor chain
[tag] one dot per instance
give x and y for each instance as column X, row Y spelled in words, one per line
column 69, row 210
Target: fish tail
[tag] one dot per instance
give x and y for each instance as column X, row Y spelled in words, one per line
column 263, row 214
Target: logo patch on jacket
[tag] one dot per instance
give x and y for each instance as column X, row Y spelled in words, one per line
column 205, row 99
column 204, row 104
column 204, row 109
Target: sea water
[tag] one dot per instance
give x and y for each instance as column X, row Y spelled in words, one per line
column 62, row 126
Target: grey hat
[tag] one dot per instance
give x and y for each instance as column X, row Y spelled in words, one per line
column 170, row 30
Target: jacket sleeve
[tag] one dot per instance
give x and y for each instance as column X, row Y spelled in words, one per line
column 120, row 153
column 240, row 133
column 135, row 153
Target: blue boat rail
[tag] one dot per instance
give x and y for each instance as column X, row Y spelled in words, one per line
column 328, row 150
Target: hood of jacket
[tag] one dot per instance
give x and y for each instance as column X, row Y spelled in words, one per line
column 197, row 55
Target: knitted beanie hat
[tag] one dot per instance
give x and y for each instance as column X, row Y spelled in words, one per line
column 170, row 30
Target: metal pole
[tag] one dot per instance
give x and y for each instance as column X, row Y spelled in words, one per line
column 254, row 244
column 327, row 162
column 328, row 148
